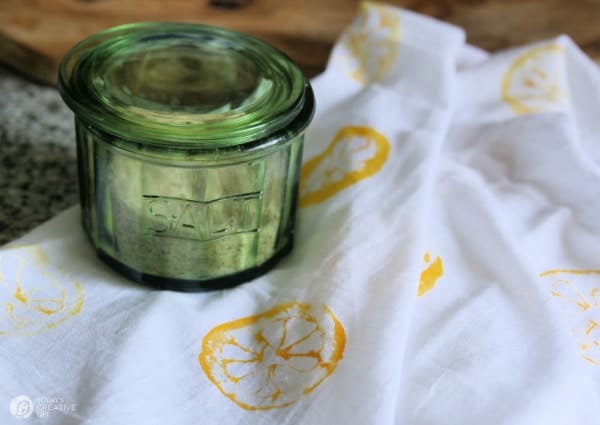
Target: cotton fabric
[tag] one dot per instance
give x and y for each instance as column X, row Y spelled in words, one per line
column 445, row 269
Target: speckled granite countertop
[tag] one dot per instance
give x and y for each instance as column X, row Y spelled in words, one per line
column 38, row 170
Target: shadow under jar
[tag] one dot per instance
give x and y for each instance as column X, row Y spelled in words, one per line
column 189, row 145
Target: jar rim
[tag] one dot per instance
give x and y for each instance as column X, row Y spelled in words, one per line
column 183, row 85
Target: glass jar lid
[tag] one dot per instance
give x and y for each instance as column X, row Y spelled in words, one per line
column 184, row 85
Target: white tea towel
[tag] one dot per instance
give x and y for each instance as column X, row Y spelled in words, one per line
column 445, row 268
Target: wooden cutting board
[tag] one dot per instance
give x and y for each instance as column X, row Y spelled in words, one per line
column 34, row 35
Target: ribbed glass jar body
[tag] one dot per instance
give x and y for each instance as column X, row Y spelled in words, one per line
column 166, row 222
column 189, row 142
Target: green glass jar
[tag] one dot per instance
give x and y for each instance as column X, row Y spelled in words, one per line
column 189, row 144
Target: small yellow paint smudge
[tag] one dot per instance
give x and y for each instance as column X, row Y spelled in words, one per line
column 20, row 295
column 430, row 275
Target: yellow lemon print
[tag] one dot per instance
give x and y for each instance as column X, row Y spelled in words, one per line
column 431, row 274
column 272, row 359
column 591, row 347
column 372, row 42
column 533, row 81
column 578, row 291
column 34, row 296
column 354, row 154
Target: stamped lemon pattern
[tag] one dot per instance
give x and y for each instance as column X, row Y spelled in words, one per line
column 354, row 154
column 272, row 359
column 429, row 276
column 591, row 346
column 578, row 291
column 34, row 296
column 534, row 81
column 372, row 42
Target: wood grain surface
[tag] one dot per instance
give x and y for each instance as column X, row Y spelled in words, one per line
column 34, row 35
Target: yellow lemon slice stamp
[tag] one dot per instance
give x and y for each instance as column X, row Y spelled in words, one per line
column 591, row 346
column 578, row 292
column 533, row 82
column 271, row 360
column 34, row 296
column 354, row 154
column 372, row 43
